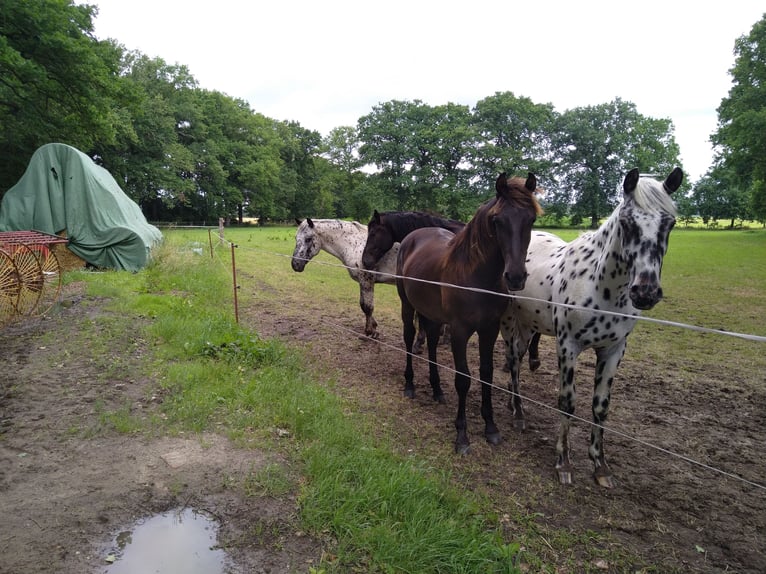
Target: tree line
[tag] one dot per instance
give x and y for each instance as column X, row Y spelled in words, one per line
column 184, row 153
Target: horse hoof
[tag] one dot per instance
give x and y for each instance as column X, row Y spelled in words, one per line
column 565, row 476
column 409, row 393
column 462, row 449
column 440, row 399
column 534, row 364
column 605, row 481
column 493, row 438
column 520, row 424
column 417, row 350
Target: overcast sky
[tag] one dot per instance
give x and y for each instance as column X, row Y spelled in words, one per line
column 326, row 63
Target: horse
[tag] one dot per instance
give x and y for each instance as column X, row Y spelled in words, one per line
column 345, row 240
column 615, row 268
column 388, row 228
column 488, row 254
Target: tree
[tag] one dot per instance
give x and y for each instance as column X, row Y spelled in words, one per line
column 596, row 145
column 57, row 82
column 741, row 133
column 514, row 135
column 717, row 196
column 150, row 160
column 344, row 179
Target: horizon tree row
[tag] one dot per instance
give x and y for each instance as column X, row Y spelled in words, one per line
column 188, row 154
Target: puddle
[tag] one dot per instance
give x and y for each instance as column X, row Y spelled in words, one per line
column 180, row 541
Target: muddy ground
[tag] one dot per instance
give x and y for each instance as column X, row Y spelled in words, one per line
column 68, row 484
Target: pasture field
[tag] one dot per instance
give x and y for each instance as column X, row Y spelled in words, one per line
column 314, row 462
column 698, row 395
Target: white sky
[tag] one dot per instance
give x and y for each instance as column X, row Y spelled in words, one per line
column 326, row 63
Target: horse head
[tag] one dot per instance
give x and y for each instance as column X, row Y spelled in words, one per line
column 646, row 218
column 307, row 245
column 512, row 216
column 379, row 241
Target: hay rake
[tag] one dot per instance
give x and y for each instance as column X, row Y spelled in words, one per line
column 30, row 274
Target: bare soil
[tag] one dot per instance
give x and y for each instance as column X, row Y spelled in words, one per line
column 68, row 483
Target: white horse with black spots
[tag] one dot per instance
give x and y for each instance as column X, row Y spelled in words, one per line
column 345, row 240
column 614, row 269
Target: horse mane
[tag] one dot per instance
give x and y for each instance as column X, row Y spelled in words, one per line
column 470, row 243
column 651, row 196
column 402, row 223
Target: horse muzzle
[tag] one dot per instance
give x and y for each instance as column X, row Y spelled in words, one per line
column 368, row 262
column 515, row 282
column 644, row 297
column 298, row 264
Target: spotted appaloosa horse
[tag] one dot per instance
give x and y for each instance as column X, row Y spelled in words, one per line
column 488, row 254
column 615, row 269
column 345, row 240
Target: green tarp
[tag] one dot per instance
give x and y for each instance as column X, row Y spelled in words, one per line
column 63, row 190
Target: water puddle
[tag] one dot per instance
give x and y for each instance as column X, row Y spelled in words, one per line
column 176, row 542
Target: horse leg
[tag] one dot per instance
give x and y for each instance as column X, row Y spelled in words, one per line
column 487, row 338
column 515, row 339
column 567, row 359
column 432, row 337
column 367, row 303
column 459, row 341
column 534, row 352
column 607, row 361
column 417, row 348
column 408, row 330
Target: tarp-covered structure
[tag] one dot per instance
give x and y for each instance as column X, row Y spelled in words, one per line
column 63, row 190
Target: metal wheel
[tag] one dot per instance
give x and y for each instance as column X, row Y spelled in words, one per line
column 31, row 278
column 9, row 288
column 51, row 270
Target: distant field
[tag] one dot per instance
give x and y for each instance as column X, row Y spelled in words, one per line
column 711, row 279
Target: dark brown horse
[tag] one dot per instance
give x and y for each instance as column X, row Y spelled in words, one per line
column 488, row 254
column 389, row 227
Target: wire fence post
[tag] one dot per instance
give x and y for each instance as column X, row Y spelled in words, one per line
column 210, row 241
column 234, row 282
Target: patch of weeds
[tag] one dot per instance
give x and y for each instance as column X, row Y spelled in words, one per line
column 245, row 350
column 270, row 480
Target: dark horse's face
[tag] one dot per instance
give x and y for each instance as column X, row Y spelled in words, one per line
column 512, row 219
column 646, row 220
column 379, row 241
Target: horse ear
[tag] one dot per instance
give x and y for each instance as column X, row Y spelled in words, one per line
column 376, row 216
column 631, row 181
column 297, row 221
column 531, row 183
column 501, row 182
column 311, row 223
column 673, row 181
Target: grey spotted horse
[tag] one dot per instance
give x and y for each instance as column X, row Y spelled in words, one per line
column 345, row 240
column 615, row 268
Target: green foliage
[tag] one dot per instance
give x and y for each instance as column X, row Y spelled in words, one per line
column 56, row 82
column 742, row 120
column 596, row 146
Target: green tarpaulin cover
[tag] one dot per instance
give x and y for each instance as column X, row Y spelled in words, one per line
column 63, row 190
